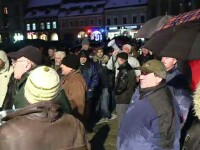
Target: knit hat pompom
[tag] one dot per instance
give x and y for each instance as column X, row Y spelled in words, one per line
column 43, row 84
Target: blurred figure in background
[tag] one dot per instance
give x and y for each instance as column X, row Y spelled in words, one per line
column 144, row 56
column 113, row 65
column 5, row 74
column 125, row 85
column 51, row 57
column 179, row 86
column 103, row 87
column 85, row 45
column 59, row 55
column 134, row 51
column 91, row 76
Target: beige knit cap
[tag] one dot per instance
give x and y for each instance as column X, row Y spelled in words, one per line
column 43, row 84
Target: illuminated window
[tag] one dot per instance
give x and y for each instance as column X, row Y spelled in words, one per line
column 5, row 10
column 28, row 28
column 34, row 26
column 42, row 25
column 54, row 25
column 48, row 25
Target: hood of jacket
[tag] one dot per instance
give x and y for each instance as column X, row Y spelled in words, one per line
column 196, row 101
column 104, row 59
column 43, row 111
column 4, row 58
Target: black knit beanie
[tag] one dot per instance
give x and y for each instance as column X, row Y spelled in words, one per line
column 83, row 53
column 122, row 55
column 71, row 61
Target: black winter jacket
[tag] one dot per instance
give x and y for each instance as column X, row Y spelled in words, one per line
column 125, row 83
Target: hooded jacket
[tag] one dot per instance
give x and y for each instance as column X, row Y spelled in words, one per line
column 192, row 140
column 42, row 126
column 5, row 74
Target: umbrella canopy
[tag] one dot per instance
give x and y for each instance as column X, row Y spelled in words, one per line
column 182, row 18
column 179, row 51
column 182, row 41
column 151, row 26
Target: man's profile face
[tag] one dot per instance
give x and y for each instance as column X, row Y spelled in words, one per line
column 65, row 69
column 149, row 80
column 20, row 67
column 169, row 62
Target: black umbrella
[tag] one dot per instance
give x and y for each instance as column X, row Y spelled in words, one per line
column 181, row 41
column 151, row 26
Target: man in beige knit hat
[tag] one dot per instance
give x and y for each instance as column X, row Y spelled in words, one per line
column 42, row 125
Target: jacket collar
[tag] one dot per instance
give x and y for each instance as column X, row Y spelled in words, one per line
column 147, row 91
column 124, row 65
column 72, row 73
column 104, row 59
column 44, row 111
column 64, row 78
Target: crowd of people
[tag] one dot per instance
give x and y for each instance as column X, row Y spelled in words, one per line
column 50, row 103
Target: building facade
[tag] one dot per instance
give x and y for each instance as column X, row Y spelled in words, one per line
column 72, row 20
column 170, row 7
column 80, row 20
column 124, row 17
column 12, row 20
column 41, row 20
